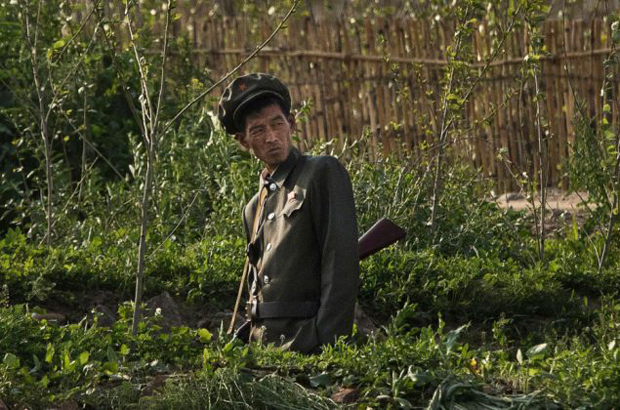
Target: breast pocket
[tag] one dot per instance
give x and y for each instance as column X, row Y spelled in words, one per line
column 293, row 204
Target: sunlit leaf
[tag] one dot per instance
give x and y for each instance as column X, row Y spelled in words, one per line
column 205, row 335
column 84, row 356
column 536, row 350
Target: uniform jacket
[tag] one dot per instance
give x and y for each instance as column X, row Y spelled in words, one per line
column 306, row 257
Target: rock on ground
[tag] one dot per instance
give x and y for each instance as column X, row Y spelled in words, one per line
column 365, row 325
column 105, row 316
column 163, row 305
column 344, row 396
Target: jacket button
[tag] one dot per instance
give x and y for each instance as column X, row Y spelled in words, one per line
column 266, row 279
column 271, row 216
column 272, row 186
column 268, row 247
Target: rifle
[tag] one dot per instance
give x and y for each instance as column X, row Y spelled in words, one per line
column 381, row 235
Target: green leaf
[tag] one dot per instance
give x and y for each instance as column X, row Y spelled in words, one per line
column 49, row 354
column 37, row 364
column 112, row 357
column 66, row 360
column 227, row 347
column 59, row 44
column 11, row 360
column 84, row 356
column 110, row 368
column 205, row 335
column 125, row 350
column 537, row 350
column 420, row 379
column 453, row 336
column 321, row 380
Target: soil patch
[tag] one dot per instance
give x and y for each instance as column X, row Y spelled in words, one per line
column 562, row 208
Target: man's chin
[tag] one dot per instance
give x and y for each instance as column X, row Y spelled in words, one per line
column 276, row 157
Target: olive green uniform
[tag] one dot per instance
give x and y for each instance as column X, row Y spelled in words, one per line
column 304, row 269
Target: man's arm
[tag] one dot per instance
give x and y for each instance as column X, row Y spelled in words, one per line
column 333, row 213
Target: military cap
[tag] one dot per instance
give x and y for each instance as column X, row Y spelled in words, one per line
column 244, row 90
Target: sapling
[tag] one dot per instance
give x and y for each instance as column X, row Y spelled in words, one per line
column 594, row 165
column 457, row 91
column 149, row 118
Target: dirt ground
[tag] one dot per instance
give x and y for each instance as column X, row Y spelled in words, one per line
column 561, row 208
column 557, row 201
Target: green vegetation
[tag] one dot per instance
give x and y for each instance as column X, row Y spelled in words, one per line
column 460, row 324
column 470, row 311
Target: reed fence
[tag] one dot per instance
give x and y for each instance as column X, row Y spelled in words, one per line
column 380, row 80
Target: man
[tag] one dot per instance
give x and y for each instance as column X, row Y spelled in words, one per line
column 300, row 226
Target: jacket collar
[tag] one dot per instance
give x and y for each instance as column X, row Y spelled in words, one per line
column 282, row 171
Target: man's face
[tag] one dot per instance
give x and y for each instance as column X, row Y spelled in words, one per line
column 268, row 135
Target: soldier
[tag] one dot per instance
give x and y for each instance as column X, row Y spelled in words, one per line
column 303, row 269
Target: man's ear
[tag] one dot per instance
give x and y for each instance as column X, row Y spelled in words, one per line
column 292, row 123
column 240, row 137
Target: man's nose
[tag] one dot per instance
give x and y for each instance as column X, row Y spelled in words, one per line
column 270, row 135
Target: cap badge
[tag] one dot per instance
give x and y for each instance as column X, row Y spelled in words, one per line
column 242, row 87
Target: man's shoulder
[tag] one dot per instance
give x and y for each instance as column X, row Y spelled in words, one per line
column 322, row 163
column 251, row 204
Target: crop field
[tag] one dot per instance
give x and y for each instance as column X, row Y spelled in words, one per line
column 120, row 189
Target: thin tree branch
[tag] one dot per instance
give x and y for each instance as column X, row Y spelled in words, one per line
column 163, row 69
column 121, row 78
column 231, row 72
column 77, row 33
column 145, row 98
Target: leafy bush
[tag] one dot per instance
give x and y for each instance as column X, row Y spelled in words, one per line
column 455, row 285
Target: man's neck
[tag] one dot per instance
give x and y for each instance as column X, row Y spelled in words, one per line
column 271, row 169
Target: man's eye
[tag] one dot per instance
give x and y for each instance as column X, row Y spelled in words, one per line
column 256, row 133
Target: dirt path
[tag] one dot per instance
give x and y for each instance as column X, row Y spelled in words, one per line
column 557, row 201
column 561, row 208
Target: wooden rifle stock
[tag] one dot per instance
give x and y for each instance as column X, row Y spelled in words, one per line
column 381, row 235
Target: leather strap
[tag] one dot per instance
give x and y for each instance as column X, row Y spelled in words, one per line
column 261, row 202
column 278, row 310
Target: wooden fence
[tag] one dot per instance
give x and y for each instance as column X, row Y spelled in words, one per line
column 382, row 78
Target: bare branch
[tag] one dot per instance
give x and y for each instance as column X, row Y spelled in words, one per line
column 234, row 70
column 121, row 78
column 77, row 33
column 163, row 68
column 145, row 99
column 70, row 74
